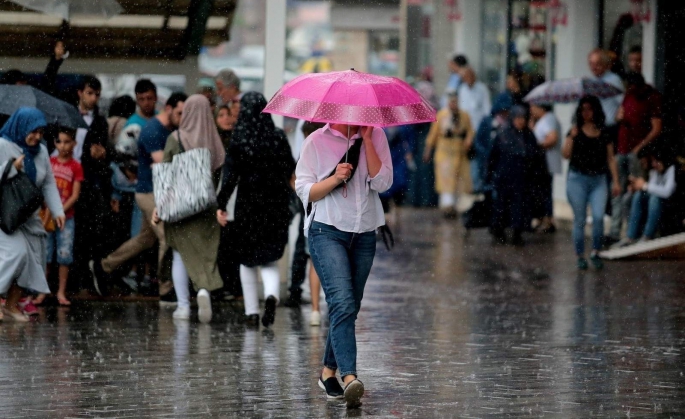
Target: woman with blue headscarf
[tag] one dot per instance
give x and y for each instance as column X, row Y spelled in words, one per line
column 22, row 254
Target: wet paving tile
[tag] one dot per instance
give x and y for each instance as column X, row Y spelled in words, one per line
column 450, row 327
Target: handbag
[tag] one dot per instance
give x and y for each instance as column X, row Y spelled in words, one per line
column 184, row 187
column 19, row 199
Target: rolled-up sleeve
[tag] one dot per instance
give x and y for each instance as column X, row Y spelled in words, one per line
column 383, row 180
column 305, row 172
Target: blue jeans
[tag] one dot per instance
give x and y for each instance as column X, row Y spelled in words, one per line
column 476, row 175
column 582, row 190
column 343, row 262
column 62, row 243
column 653, row 203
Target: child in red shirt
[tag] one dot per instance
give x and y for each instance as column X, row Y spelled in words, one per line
column 68, row 176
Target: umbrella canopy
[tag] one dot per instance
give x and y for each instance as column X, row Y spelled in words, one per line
column 55, row 110
column 571, row 90
column 351, row 97
column 67, row 9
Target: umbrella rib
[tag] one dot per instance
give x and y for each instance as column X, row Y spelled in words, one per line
column 324, row 95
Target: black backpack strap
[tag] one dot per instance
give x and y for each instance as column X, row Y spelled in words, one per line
column 353, row 155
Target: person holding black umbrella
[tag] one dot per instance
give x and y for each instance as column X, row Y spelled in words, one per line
column 22, row 253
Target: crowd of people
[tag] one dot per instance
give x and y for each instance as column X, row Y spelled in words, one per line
column 102, row 210
column 100, row 224
column 507, row 153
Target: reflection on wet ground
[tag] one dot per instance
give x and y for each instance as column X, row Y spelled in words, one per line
column 451, row 327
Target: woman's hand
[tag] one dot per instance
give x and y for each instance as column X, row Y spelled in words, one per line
column 155, row 217
column 637, row 183
column 222, row 218
column 574, row 131
column 367, row 133
column 19, row 163
column 616, row 189
column 60, row 221
column 343, row 172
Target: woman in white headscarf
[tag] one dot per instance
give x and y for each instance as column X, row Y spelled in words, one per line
column 195, row 240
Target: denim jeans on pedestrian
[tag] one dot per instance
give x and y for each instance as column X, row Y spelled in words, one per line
column 582, row 190
column 628, row 164
column 653, row 204
column 477, row 177
column 343, row 262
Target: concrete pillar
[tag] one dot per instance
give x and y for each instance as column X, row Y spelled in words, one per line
column 649, row 40
column 274, row 63
column 574, row 42
column 468, row 38
column 442, row 33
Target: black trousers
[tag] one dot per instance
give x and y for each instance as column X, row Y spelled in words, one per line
column 229, row 266
column 299, row 267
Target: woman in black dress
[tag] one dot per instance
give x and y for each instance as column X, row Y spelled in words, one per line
column 260, row 165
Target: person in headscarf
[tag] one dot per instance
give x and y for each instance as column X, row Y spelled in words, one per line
column 22, row 253
column 488, row 130
column 195, row 240
column 261, row 165
column 451, row 136
column 515, row 160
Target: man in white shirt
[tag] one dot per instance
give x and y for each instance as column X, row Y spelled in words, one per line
column 474, row 97
column 600, row 64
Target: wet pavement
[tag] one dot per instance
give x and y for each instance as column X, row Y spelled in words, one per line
column 450, row 327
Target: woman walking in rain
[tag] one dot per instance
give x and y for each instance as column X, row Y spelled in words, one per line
column 451, row 136
column 591, row 155
column 22, row 253
column 343, row 212
column 195, row 240
column 261, row 165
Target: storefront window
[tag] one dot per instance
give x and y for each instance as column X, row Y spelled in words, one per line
column 494, row 55
column 529, row 40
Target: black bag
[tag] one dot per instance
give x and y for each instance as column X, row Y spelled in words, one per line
column 479, row 215
column 19, row 199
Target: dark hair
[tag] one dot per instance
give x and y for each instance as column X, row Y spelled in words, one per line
column 66, row 130
column 663, row 155
column 635, row 49
column 598, row 116
column 89, row 81
column 123, row 106
column 460, row 60
column 144, row 86
column 13, row 76
column 635, row 79
column 545, row 106
column 175, row 98
column 310, row 127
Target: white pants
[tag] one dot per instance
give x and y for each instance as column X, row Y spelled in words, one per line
column 249, row 281
column 448, row 200
column 181, row 280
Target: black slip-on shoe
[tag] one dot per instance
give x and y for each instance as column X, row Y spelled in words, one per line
column 332, row 388
column 269, row 311
column 252, row 321
column 353, row 394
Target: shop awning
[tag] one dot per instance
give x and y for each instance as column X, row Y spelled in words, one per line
column 162, row 29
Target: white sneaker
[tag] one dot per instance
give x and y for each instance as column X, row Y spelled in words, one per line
column 182, row 313
column 315, row 319
column 204, row 306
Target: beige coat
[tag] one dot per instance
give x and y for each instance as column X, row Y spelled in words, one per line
column 452, row 169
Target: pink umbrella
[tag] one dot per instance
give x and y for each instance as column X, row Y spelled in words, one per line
column 351, row 97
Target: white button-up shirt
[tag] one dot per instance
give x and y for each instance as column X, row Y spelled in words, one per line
column 361, row 210
column 475, row 101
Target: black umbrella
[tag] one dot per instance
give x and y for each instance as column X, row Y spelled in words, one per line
column 55, row 110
